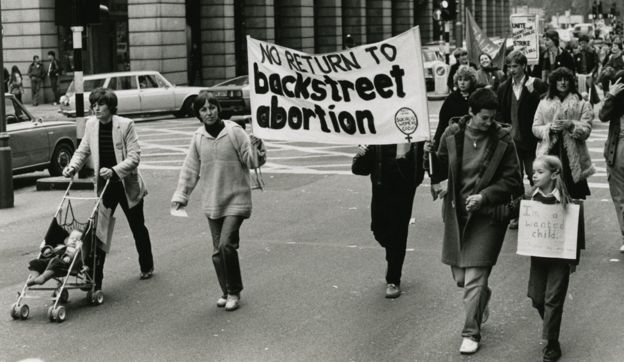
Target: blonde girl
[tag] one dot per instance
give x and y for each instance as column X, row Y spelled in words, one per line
column 549, row 277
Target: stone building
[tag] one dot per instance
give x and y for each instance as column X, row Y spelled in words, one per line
column 159, row 34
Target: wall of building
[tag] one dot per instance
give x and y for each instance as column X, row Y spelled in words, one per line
column 158, row 34
column 29, row 30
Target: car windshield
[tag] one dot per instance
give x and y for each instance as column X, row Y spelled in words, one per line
column 429, row 56
column 88, row 84
column 239, row 81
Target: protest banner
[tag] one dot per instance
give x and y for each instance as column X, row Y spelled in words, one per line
column 524, row 30
column 477, row 42
column 370, row 94
column 548, row 231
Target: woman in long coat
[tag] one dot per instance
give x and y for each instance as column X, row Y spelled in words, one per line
column 483, row 175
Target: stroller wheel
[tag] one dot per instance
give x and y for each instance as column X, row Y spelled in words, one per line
column 59, row 314
column 24, row 311
column 15, row 311
column 51, row 313
column 98, row 297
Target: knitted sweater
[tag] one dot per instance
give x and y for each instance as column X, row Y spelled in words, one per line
column 221, row 167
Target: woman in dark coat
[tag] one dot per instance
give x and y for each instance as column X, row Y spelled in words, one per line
column 395, row 172
column 455, row 106
column 482, row 176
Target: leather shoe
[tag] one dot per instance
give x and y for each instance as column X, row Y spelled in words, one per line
column 222, row 301
column 148, row 274
column 392, row 291
column 468, row 346
column 552, row 351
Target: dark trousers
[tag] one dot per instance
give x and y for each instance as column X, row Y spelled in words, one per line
column 395, row 255
column 54, row 86
column 225, row 240
column 115, row 195
column 35, row 84
column 526, row 158
column 548, row 287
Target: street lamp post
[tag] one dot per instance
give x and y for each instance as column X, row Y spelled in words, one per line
column 6, row 169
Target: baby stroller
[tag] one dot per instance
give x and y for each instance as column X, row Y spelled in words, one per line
column 81, row 271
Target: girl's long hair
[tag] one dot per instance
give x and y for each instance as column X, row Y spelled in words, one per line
column 15, row 70
column 554, row 165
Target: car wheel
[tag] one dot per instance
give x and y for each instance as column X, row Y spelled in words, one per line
column 187, row 108
column 60, row 158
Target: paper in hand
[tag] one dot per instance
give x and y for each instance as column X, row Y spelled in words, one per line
column 181, row 212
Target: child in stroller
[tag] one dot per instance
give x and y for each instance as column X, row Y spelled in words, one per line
column 55, row 261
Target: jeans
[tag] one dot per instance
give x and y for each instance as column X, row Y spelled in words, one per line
column 616, row 184
column 115, row 195
column 474, row 280
column 225, row 240
column 548, row 287
column 35, row 84
column 54, row 86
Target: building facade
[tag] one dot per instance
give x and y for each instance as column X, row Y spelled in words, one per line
column 204, row 41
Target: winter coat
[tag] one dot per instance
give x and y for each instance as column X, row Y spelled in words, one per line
column 454, row 106
column 221, row 167
column 479, row 242
column 127, row 155
column 394, row 183
column 581, row 114
column 530, row 96
column 612, row 110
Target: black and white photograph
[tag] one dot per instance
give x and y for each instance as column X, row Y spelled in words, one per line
column 312, row 180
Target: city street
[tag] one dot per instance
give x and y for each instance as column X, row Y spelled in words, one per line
column 313, row 275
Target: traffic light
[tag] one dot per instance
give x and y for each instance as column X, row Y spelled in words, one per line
column 448, row 9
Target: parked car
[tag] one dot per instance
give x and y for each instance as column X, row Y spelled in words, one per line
column 138, row 92
column 233, row 96
column 37, row 144
column 585, row 28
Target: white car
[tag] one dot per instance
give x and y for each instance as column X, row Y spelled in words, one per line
column 138, row 92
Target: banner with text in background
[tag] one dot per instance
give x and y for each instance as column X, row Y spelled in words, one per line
column 525, row 33
column 370, row 94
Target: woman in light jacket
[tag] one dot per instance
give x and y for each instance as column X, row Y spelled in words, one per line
column 219, row 158
column 563, row 121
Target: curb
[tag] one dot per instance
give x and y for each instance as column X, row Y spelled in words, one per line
column 61, row 183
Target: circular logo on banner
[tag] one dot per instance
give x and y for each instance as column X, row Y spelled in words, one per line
column 406, row 121
column 440, row 71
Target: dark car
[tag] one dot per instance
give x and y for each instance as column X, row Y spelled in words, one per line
column 37, row 144
column 233, row 96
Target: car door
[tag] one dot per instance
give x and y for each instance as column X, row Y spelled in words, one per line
column 125, row 87
column 156, row 95
column 28, row 138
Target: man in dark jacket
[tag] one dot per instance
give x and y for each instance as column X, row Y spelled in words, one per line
column 587, row 63
column 554, row 56
column 53, row 73
column 518, row 98
column 36, row 72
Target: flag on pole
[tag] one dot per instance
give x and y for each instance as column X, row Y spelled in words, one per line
column 477, row 42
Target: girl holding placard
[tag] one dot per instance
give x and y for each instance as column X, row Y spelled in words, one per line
column 549, row 277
